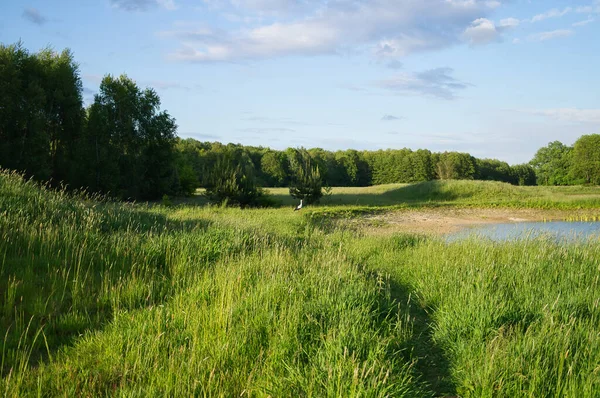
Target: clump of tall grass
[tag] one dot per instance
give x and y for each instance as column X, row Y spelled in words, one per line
column 257, row 325
column 515, row 319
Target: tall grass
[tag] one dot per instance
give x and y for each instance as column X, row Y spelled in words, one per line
column 518, row 318
column 102, row 300
column 106, row 299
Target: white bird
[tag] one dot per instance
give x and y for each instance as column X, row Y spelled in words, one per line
column 299, row 206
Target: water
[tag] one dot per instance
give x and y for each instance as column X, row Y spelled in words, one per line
column 559, row 230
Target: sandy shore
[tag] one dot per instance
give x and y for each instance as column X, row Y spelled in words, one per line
column 442, row 221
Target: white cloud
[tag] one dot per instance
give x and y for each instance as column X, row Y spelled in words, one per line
column 569, row 114
column 589, row 9
column 554, row 34
column 584, row 22
column 584, row 9
column 269, row 7
column 484, row 31
column 405, row 44
column 553, row 13
column 262, row 42
column 558, row 13
column 509, row 23
column 481, row 31
column 392, row 28
column 432, row 83
column 142, row 5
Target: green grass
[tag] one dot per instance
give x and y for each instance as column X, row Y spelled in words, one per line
column 107, row 299
column 513, row 319
column 446, row 193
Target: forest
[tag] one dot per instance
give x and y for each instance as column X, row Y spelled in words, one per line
column 124, row 146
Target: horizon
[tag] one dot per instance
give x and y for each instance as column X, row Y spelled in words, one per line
column 496, row 79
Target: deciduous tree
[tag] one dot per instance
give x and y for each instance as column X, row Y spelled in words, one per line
column 552, row 164
column 586, row 159
column 129, row 142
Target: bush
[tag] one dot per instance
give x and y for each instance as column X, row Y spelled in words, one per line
column 232, row 180
column 166, row 201
column 306, row 179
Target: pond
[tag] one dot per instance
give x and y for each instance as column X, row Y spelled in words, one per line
column 560, row 230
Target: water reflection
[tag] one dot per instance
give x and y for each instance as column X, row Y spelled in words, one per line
column 560, row 230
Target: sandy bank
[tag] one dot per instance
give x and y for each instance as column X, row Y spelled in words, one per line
column 442, row 221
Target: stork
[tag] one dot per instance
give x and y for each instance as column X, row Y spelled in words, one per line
column 299, row 206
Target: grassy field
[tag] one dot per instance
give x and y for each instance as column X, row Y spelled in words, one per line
column 107, row 299
column 444, row 193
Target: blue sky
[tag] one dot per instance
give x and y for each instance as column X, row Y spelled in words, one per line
column 494, row 78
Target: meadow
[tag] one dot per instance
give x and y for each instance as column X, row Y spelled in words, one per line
column 443, row 193
column 99, row 298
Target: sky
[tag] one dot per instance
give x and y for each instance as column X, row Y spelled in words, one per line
column 494, row 78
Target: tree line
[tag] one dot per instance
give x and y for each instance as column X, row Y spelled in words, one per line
column 125, row 146
column 121, row 145
column 350, row 167
column 560, row 164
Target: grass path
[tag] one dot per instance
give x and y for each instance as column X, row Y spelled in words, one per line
column 430, row 361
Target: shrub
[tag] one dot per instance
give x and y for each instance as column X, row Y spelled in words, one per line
column 306, row 179
column 232, row 180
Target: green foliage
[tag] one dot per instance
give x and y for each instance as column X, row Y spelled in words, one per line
column 188, row 182
column 232, row 179
column 494, row 170
column 332, row 172
column 188, row 168
column 455, row 166
column 306, row 183
column 586, row 159
column 41, row 114
column 400, row 166
column 166, row 201
column 422, row 166
column 273, row 166
column 552, row 164
column 123, row 147
column 129, row 142
column 193, row 154
column 354, row 170
column 523, row 174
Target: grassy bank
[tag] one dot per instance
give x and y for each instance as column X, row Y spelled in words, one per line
column 104, row 299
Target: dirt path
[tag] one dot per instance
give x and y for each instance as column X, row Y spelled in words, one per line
column 442, row 221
